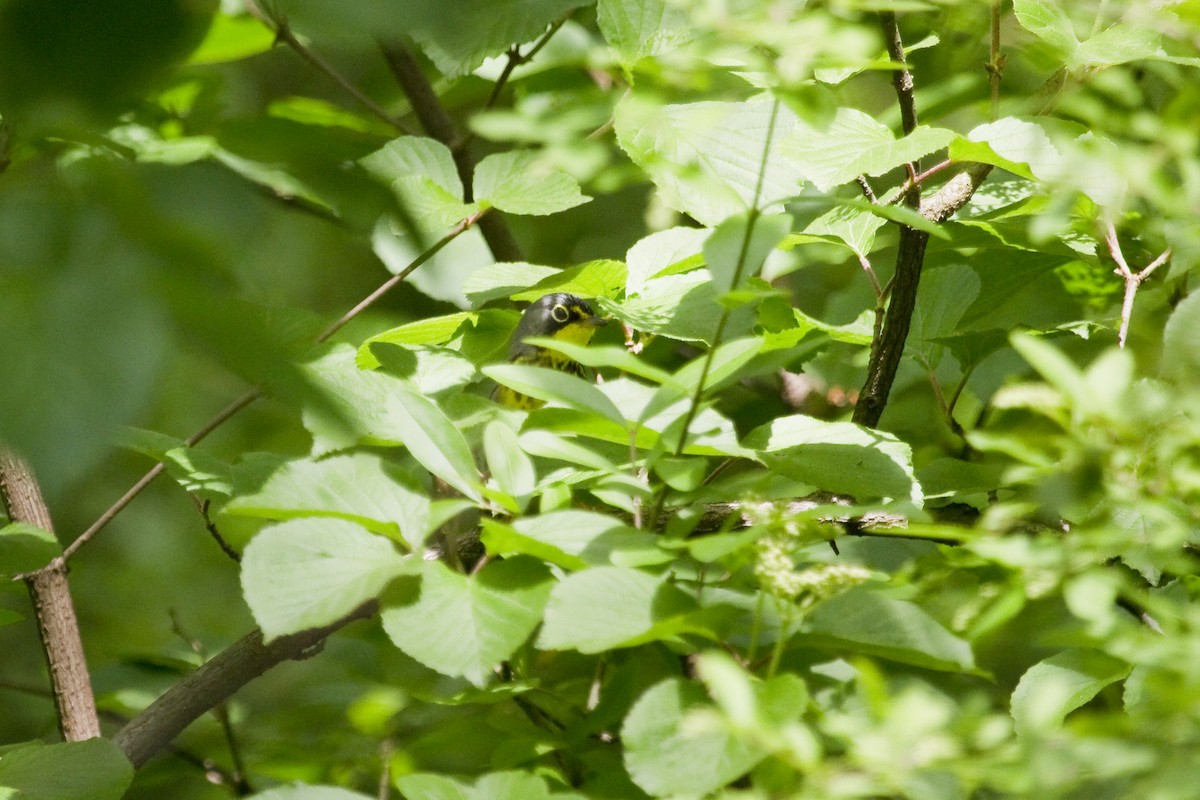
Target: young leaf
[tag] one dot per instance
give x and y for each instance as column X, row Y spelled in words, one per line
column 838, row 457
column 944, row 296
column 853, row 143
column 551, row 384
column 1058, row 685
column 360, row 487
column 436, row 442
column 497, row 281
column 660, row 251
column 867, row 622
column 464, row 626
column 706, row 158
column 510, row 466
column 95, row 769
column 521, row 182
column 416, row 156
column 309, row 572
column 601, row 278
column 640, row 28
column 737, row 250
column 25, row 548
column 669, row 758
column 606, row 607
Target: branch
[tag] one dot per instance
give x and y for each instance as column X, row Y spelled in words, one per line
column 1132, row 279
column 51, row 596
column 253, row 394
column 516, row 58
column 887, row 346
column 995, row 66
column 283, row 33
column 153, row 730
column 438, row 124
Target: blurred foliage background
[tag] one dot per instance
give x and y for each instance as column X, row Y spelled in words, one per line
column 185, row 206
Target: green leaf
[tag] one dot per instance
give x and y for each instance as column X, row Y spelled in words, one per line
column 678, row 306
column 464, row 626
column 523, row 182
column 1019, row 146
column 301, row 791
column 853, row 143
column 360, row 487
column 232, row 39
column 416, row 157
column 1181, row 341
column 199, row 473
column 1055, row 368
column 491, row 786
column 1119, row 44
column 668, row 757
column 554, row 385
column 608, row 607
column 705, row 158
column 497, row 281
column 471, row 332
column 372, row 408
column 509, row 465
column 895, row 212
column 1047, row 20
column 1058, row 685
column 661, row 251
column 95, row 769
column 25, row 548
column 310, row 572
column 594, row 539
column 863, row 621
column 459, row 42
column 740, row 245
column 852, row 224
column 943, row 297
column 640, row 28
column 602, row 278
column 838, row 457
column 605, row 356
column 432, row 370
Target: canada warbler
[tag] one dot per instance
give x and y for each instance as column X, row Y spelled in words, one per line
column 560, row 316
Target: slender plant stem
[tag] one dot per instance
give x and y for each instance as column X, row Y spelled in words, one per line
column 516, row 58
column 995, row 67
column 284, row 34
column 253, row 394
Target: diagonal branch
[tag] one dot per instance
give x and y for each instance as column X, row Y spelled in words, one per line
column 438, row 124
column 254, row 394
column 216, row 681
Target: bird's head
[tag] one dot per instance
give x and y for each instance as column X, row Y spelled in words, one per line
column 561, row 316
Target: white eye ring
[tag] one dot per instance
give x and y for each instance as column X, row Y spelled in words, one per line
column 559, row 313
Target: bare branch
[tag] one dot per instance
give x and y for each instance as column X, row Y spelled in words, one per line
column 1132, row 279
column 153, row 730
column 55, row 612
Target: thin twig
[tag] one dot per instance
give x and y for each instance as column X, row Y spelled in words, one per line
column 995, row 67
column 283, row 33
column 1132, row 279
column 390, row 283
column 516, row 59
column 920, row 178
column 867, row 268
column 867, row 191
column 253, row 394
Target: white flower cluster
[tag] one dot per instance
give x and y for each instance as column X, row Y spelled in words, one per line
column 780, row 577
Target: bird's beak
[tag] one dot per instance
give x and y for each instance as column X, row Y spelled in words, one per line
column 595, row 321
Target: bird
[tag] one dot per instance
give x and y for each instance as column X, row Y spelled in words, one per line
column 562, row 316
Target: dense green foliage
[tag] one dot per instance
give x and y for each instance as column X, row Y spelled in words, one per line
column 183, row 215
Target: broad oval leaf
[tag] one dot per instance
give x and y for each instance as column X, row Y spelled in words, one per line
column 1058, row 685
column 554, row 385
column 310, row 572
column 667, row 757
column 465, row 625
column 522, row 182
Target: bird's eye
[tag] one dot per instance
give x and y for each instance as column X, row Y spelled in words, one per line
column 559, row 313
